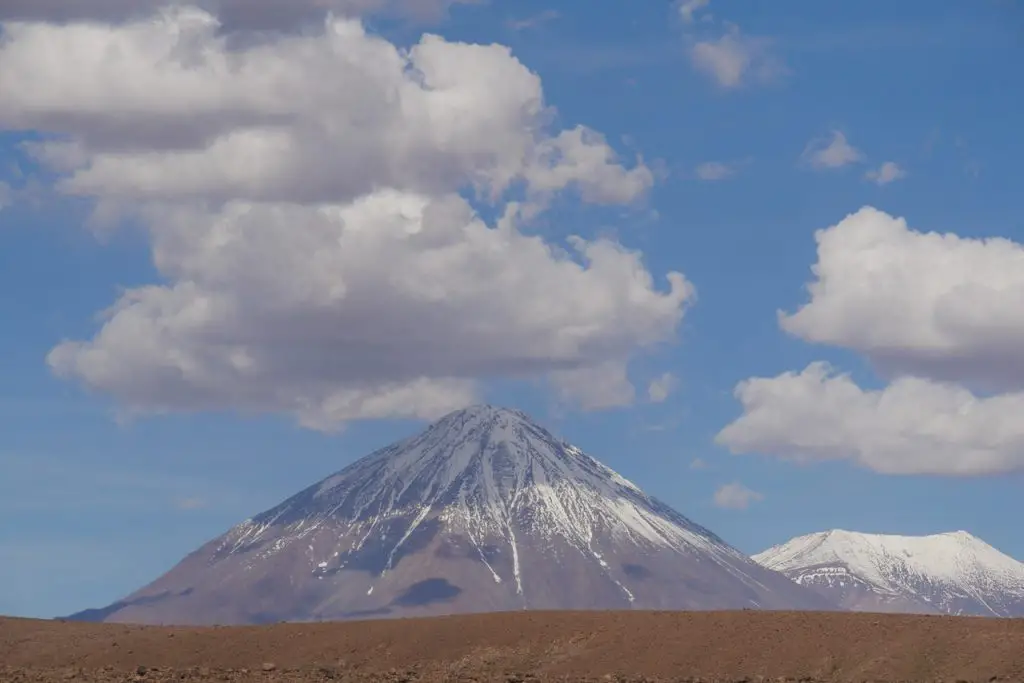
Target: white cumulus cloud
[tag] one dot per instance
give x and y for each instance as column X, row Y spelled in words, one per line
column 167, row 109
column 912, row 426
column 922, row 303
column 937, row 314
column 306, row 198
column 391, row 305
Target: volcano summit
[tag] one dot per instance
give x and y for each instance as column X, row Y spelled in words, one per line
column 483, row 511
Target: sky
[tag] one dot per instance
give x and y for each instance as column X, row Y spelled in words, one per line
column 766, row 262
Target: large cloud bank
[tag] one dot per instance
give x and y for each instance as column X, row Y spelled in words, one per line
column 310, row 198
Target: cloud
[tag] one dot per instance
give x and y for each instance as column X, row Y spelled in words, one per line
column 715, row 170
column 834, row 152
column 926, row 304
column 736, row 496
column 689, row 8
column 596, row 387
column 391, row 305
column 236, row 14
column 912, row 426
column 939, row 315
column 660, row 387
column 308, row 201
column 735, row 59
column 533, row 21
column 698, row 464
column 172, row 111
column 888, row 172
column 191, row 503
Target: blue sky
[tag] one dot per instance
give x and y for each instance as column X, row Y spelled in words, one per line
column 95, row 505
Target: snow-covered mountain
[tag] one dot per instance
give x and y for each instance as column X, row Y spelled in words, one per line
column 484, row 510
column 950, row 573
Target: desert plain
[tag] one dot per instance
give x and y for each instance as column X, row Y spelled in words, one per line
column 528, row 646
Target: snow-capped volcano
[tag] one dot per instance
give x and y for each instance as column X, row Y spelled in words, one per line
column 950, row 573
column 484, row 510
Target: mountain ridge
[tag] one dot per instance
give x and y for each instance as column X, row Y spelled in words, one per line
column 945, row 573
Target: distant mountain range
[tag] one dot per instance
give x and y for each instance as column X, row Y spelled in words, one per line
column 951, row 573
column 484, row 510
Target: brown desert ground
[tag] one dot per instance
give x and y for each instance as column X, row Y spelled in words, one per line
column 529, row 646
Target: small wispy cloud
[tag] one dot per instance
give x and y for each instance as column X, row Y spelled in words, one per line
column 665, row 425
column 698, row 464
column 888, row 172
column 735, row 59
column 715, row 170
column 538, row 19
column 736, row 496
column 831, row 152
column 661, row 387
column 689, row 8
column 972, row 166
column 190, row 503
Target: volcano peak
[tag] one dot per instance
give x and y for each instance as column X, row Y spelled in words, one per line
column 483, row 510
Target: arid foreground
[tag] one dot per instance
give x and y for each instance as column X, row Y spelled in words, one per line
column 524, row 646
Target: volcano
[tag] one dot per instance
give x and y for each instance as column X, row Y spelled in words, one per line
column 948, row 573
column 485, row 510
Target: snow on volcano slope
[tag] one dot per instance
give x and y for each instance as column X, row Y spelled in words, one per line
column 484, row 510
column 950, row 573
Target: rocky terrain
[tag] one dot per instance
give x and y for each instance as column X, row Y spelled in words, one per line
column 483, row 511
column 951, row 573
column 529, row 646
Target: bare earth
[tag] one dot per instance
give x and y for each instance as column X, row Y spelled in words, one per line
column 529, row 646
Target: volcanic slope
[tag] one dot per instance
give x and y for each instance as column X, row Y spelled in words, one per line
column 951, row 573
column 483, row 511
